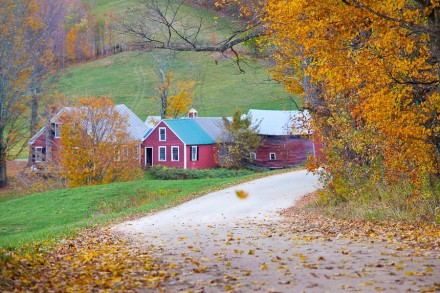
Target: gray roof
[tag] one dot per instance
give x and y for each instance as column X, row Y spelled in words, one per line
column 152, row 121
column 275, row 122
column 213, row 126
column 135, row 128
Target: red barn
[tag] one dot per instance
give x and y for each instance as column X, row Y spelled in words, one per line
column 286, row 138
column 179, row 143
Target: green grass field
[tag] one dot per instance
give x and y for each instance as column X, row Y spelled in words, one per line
column 57, row 213
column 129, row 77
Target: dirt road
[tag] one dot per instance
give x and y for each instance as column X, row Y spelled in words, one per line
column 219, row 243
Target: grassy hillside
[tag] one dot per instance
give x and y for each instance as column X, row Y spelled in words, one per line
column 128, row 77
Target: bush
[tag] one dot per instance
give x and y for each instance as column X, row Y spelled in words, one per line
column 167, row 173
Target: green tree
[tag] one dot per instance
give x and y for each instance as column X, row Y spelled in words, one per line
column 239, row 139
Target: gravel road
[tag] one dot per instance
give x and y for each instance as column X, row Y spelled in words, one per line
column 219, row 243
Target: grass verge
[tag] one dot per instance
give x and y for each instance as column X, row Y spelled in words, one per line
column 397, row 203
column 56, row 214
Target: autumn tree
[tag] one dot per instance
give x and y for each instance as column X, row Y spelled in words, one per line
column 174, row 97
column 15, row 70
column 373, row 72
column 96, row 146
column 239, row 138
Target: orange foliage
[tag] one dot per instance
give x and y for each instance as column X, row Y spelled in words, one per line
column 96, row 147
column 71, row 43
column 175, row 97
column 366, row 70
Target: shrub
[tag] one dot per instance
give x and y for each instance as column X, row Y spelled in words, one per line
column 167, row 173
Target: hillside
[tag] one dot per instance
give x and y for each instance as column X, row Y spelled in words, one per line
column 129, row 77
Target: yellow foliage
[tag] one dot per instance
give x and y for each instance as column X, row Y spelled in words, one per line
column 373, row 86
column 175, row 97
column 96, row 148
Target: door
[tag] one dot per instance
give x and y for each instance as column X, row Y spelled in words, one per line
column 148, row 156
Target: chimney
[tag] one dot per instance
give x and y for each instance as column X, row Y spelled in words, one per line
column 192, row 113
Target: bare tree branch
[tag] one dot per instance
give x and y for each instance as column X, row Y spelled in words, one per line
column 164, row 25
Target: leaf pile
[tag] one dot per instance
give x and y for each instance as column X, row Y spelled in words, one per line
column 416, row 236
column 97, row 260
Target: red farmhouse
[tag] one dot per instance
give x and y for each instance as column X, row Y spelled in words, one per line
column 179, row 143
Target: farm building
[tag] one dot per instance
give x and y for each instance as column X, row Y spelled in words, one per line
column 187, row 143
column 286, row 138
column 136, row 129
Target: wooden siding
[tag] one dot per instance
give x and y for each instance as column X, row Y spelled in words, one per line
column 41, row 142
column 207, row 153
column 289, row 151
column 207, row 157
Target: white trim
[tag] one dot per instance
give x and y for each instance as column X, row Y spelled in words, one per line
column 56, row 130
column 253, row 155
column 194, row 147
column 185, row 159
column 158, row 153
column 274, row 156
column 172, row 153
column 165, row 134
column 40, row 152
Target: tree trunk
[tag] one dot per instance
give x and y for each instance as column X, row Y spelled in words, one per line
column 3, row 177
column 49, row 136
column 33, row 125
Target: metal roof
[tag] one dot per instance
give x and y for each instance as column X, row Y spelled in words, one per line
column 189, row 131
column 152, row 121
column 136, row 129
column 275, row 122
column 213, row 126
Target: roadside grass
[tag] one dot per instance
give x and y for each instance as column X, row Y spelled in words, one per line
column 380, row 203
column 59, row 213
column 128, row 78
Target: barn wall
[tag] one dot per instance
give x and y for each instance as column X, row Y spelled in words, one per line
column 41, row 142
column 289, row 151
column 207, row 157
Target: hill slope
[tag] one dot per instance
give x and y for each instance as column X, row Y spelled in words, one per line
column 129, row 77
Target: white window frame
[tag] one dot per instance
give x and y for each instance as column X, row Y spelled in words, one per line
column 164, row 133
column 274, row 156
column 172, row 153
column 165, row 154
column 56, row 130
column 253, row 156
column 194, row 153
column 38, row 151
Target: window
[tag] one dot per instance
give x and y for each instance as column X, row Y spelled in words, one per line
column 272, row 156
column 253, row 156
column 194, row 153
column 56, row 130
column 162, row 134
column 39, row 154
column 162, row 153
column 174, row 153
